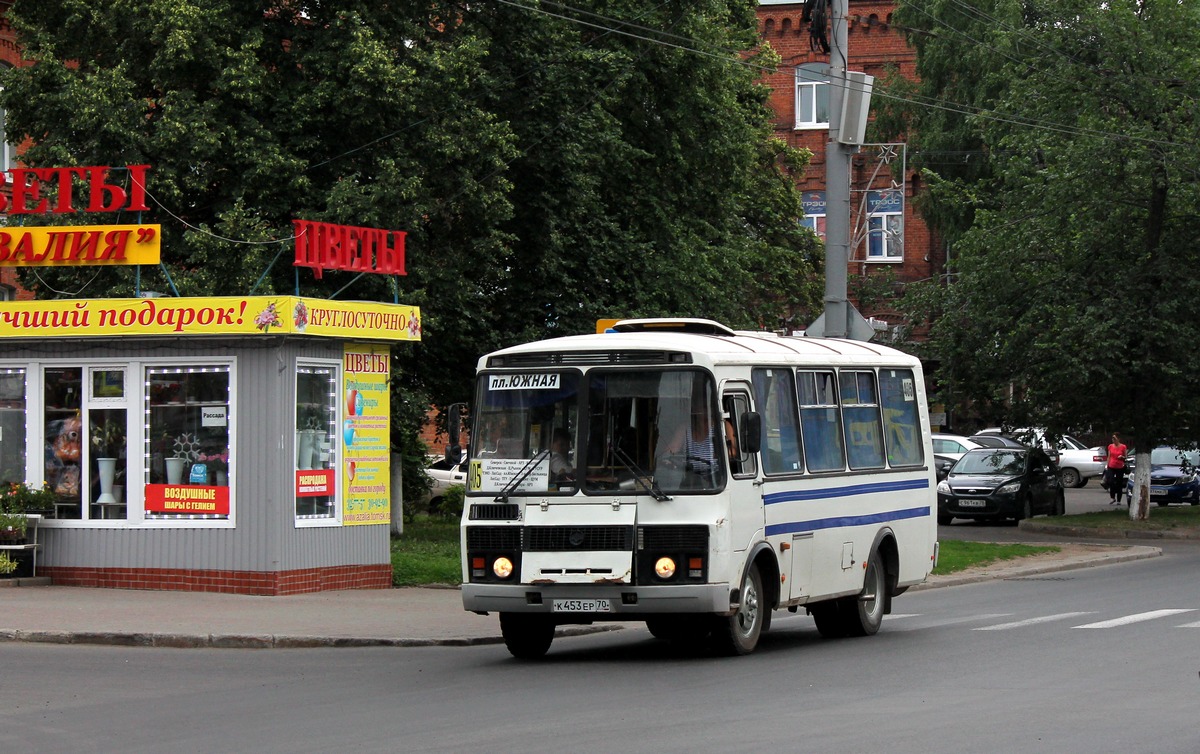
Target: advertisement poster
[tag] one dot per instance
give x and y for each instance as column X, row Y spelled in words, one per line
column 366, row 442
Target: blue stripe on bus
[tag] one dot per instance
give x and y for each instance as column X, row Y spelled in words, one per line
column 792, row 496
column 844, row 521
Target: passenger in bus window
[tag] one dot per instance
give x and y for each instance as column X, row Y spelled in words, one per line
column 561, row 468
column 697, row 447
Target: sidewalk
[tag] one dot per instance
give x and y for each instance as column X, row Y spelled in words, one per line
column 410, row 617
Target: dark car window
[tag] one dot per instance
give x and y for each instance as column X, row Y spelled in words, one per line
column 998, row 461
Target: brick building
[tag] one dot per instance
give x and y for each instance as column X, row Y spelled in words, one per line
column 10, row 56
column 888, row 238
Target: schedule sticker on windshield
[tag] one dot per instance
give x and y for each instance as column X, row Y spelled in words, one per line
column 535, row 381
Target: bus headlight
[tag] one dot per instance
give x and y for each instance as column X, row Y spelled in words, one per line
column 502, row 567
column 664, row 568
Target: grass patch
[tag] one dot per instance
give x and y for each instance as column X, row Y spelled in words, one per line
column 954, row 555
column 1161, row 517
column 427, row 553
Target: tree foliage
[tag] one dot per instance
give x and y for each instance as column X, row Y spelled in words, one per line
column 552, row 165
column 1062, row 157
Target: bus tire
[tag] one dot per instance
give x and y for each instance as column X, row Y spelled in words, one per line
column 738, row 634
column 528, row 637
column 862, row 614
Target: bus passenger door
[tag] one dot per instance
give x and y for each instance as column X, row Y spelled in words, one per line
column 747, row 518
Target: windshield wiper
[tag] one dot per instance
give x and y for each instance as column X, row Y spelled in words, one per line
column 640, row 476
column 519, row 477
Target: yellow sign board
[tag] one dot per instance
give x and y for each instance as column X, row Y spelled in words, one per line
column 231, row 315
column 74, row 245
column 366, row 436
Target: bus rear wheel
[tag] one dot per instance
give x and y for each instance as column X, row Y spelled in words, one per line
column 862, row 614
column 738, row 634
column 528, row 637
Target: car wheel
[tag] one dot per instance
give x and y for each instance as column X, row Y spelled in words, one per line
column 1070, row 478
column 1060, row 505
column 528, row 637
column 1026, row 509
column 738, row 634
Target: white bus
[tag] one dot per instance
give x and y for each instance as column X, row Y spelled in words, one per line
column 696, row 478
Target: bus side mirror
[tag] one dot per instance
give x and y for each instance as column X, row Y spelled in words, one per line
column 751, row 432
column 453, row 431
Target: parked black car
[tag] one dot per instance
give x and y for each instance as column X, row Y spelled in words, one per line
column 1001, row 484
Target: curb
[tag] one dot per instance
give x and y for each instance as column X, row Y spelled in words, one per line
column 260, row 641
column 1003, row 570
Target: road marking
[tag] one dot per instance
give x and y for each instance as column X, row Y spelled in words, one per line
column 1191, row 625
column 1136, row 618
column 949, row 621
column 1031, row 621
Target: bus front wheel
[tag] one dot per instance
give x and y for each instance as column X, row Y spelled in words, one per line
column 738, row 634
column 528, row 637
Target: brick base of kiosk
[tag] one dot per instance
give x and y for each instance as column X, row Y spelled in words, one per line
column 268, row 584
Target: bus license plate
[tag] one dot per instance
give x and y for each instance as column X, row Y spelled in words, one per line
column 972, row 503
column 581, row 606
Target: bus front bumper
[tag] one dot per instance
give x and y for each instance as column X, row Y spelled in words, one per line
column 586, row 602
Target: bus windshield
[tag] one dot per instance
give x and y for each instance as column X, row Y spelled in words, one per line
column 650, row 432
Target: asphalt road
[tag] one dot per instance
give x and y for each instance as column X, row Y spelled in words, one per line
column 1093, row 660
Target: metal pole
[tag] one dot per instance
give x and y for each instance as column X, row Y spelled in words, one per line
column 837, row 183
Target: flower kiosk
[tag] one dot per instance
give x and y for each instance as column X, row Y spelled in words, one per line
column 233, row 444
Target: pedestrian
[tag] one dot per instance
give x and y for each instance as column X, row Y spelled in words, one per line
column 1114, row 471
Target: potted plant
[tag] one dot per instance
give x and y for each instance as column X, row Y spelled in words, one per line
column 7, row 565
column 12, row 528
column 108, row 440
column 22, row 498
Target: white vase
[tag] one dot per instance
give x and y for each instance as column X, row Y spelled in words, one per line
column 175, row 470
column 304, row 448
column 108, row 471
column 320, row 449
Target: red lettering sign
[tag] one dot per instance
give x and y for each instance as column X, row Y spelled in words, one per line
column 28, row 183
column 187, row 499
column 324, row 246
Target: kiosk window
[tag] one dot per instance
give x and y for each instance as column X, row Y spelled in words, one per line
column 188, row 442
column 316, row 441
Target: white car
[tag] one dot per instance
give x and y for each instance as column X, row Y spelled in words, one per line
column 952, row 446
column 1077, row 463
column 444, row 475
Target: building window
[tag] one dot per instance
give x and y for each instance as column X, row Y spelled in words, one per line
column 812, row 95
column 316, row 443
column 814, row 212
column 885, row 226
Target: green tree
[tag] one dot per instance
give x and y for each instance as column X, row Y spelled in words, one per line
column 1071, row 302
column 551, row 168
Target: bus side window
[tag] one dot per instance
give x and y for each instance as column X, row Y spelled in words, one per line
column 775, row 396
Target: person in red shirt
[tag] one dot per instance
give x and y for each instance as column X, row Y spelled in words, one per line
column 1114, row 472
